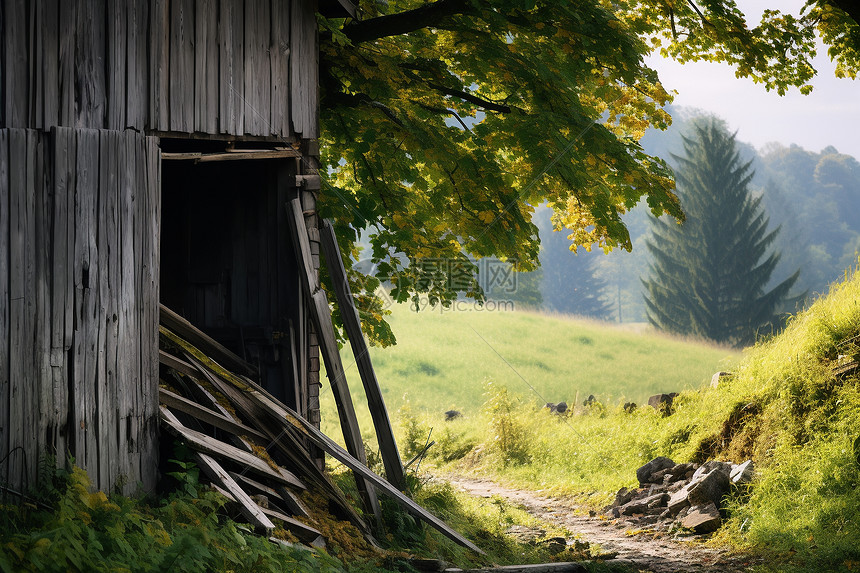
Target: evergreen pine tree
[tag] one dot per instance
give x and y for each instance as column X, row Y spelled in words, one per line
column 708, row 275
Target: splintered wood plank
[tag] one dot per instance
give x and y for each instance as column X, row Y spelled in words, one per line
column 44, row 195
column 207, row 416
column 109, row 239
column 16, row 65
column 29, row 310
column 89, row 64
column 159, row 65
column 198, row 338
column 252, row 512
column 128, row 359
column 279, row 57
column 206, row 67
column 321, row 316
column 50, row 62
column 182, row 65
column 352, row 323
column 303, row 69
column 257, row 70
column 105, row 422
column 231, row 61
column 66, row 80
column 86, row 294
column 283, row 495
column 136, row 65
column 117, row 33
column 5, row 397
column 206, row 444
column 18, row 373
column 289, row 417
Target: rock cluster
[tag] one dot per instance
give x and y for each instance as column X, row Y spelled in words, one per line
column 674, row 495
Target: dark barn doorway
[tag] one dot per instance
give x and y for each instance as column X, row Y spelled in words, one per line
column 227, row 263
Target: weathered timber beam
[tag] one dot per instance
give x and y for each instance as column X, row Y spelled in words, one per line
column 321, row 317
column 208, row 445
column 352, row 323
column 252, row 512
column 207, row 416
column 205, row 343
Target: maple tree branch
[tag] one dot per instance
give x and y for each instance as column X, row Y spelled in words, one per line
column 466, row 96
column 404, row 22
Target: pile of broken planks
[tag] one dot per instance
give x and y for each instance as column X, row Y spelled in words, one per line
column 251, row 447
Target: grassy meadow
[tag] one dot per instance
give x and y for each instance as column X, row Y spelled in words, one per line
column 443, row 359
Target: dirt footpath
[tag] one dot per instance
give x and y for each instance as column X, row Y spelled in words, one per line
column 643, row 551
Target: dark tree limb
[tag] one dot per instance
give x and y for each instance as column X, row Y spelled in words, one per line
column 404, row 22
column 465, row 96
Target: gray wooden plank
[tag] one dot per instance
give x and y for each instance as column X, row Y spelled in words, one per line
column 50, row 62
column 159, row 65
column 303, row 69
column 16, row 53
column 117, row 33
column 284, row 496
column 182, row 65
column 321, row 318
column 257, row 68
column 208, row 445
column 109, row 239
column 136, row 163
column 17, row 303
column 36, row 49
column 86, row 263
column 249, row 509
column 207, row 416
column 128, row 370
column 206, row 343
column 352, row 324
column 44, row 193
column 136, row 92
column 231, row 61
column 66, row 71
column 5, row 397
column 279, row 58
column 290, row 418
column 105, row 414
column 89, row 64
column 149, row 325
column 206, row 67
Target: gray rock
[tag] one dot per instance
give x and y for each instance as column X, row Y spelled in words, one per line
column 629, row 407
column 702, row 518
column 662, row 402
column 623, row 496
column 644, row 473
column 742, row 473
column 678, row 501
column 589, row 401
column 708, row 488
column 644, row 504
column 550, row 406
column 708, row 467
column 452, row 415
column 554, row 545
column 560, row 408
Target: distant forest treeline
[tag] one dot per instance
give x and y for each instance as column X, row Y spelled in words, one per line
column 813, row 196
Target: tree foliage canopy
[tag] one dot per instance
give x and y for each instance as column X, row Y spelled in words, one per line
column 444, row 123
column 709, row 275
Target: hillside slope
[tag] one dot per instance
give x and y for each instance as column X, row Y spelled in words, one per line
column 442, row 359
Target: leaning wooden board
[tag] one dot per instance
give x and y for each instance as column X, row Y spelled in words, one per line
column 288, row 418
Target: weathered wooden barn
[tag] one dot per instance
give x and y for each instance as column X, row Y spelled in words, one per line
column 147, row 151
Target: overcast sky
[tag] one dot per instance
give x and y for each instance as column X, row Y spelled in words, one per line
column 830, row 115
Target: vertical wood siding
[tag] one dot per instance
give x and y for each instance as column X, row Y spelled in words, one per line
column 78, row 303
column 220, row 67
